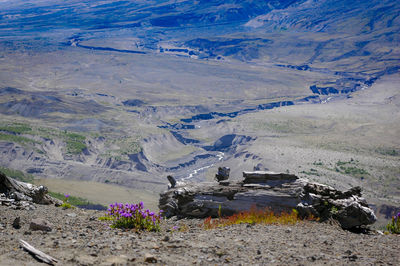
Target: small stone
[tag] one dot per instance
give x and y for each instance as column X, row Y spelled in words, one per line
column 258, row 252
column 85, row 260
column 40, row 224
column 149, row 258
column 166, row 238
column 73, row 215
column 288, row 230
column 353, row 257
column 17, row 223
column 116, row 260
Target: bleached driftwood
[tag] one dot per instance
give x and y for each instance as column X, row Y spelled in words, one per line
column 37, row 253
column 276, row 191
column 21, row 191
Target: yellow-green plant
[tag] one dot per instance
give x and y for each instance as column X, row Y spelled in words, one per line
column 394, row 226
column 66, row 204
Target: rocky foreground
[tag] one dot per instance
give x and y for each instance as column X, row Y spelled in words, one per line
column 72, row 236
column 77, row 237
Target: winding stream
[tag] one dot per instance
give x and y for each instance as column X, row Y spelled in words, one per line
column 220, row 157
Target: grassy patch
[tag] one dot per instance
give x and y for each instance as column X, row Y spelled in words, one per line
column 390, row 152
column 16, row 174
column 311, row 172
column 16, row 139
column 126, row 146
column 75, row 142
column 76, row 201
column 16, row 128
column 350, row 168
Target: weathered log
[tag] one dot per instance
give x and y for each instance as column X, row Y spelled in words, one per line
column 278, row 192
column 172, row 181
column 41, row 256
column 21, row 191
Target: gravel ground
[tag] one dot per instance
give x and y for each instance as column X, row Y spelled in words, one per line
column 79, row 238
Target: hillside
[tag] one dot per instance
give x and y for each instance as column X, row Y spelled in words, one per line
column 119, row 94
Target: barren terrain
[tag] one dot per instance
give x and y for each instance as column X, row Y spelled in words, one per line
column 118, row 95
column 78, row 238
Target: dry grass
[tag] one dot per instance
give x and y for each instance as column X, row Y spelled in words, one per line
column 254, row 216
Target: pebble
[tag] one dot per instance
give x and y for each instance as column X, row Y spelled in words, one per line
column 17, row 223
column 149, row 258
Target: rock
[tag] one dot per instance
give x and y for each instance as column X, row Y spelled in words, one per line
column 73, row 215
column 17, row 223
column 223, row 173
column 115, row 261
column 276, row 191
column 149, row 258
column 40, row 224
column 85, row 260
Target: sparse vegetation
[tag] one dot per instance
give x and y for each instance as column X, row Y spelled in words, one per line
column 16, row 138
column 349, row 168
column 311, row 172
column 126, row 146
column 394, row 225
column 253, row 216
column 16, row 128
column 390, row 152
column 16, row 174
column 72, row 200
column 75, row 142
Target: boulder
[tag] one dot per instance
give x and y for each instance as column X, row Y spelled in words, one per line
column 276, row 191
column 40, row 224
